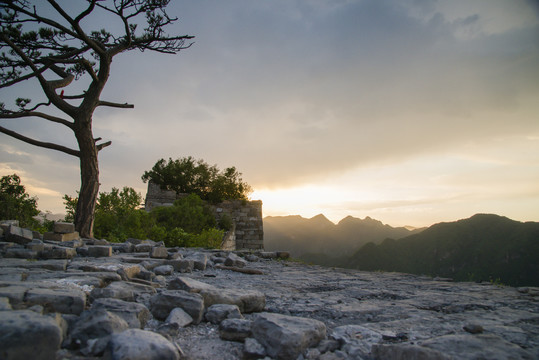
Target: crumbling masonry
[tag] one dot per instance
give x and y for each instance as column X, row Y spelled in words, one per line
column 247, row 231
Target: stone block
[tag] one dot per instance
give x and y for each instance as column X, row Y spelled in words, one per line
column 159, row 252
column 180, row 317
column 65, row 301
column 235, row 329
column 144, row 247
column 182, row 265
column 248, row 301
column 63, row 227
column 164, row 270
column 59, row 253
column 219, row 312
column 35, row 245
column 61, row 237
column 163, row 303
column 99, row 251
column 20, row 253
column 286, row 337
column 136, row 315
column 27, row 335
column 19, row 235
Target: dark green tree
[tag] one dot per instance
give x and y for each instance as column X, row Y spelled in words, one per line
column 62, row 53
column 189, row 176
column 15, row 203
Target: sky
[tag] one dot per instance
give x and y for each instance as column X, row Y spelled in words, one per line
column 411, row 112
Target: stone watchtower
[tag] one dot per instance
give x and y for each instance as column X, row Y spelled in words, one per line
column 247, row 231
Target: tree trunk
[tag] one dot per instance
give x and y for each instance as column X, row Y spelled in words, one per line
column 89, row 172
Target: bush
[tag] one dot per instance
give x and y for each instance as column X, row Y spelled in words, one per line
column 190, row 176
column 16, row 203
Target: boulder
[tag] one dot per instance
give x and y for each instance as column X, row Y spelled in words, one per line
column 188, row 284
column 136, row 315
column 248, row 301
column 94, row 324
column 136, row 344
column 159, row 252
column 234, row 260
column 164, row 270
column 286, row 337
column 163, row 303
column 182, row 265
column 27, row 335
column 219, row 312
column 235, row 329
column 59, row 253
column 122, row 290
column 357, row 339
column 200, row 260
column 252, row 349
column 179, row 317
column 65, row 301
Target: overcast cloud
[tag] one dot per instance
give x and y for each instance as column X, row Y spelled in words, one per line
column 411, row 112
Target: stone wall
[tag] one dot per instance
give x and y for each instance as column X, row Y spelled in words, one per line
column 247, row 230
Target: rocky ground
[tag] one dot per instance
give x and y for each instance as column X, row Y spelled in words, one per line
column 71, row 298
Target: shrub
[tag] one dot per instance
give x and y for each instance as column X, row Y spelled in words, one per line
column 190, row 176
column 16, row 203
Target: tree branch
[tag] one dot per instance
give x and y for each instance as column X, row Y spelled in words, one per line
column 18, row 115
column 103, row 145
column 40, row 143
column 116, row 105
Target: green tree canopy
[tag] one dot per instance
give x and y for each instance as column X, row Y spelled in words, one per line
column 15, row 203
column 191, row 176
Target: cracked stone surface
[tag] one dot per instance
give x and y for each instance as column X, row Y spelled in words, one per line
column 367, row 315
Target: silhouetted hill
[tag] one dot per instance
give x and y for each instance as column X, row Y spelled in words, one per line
column 319, row 238
column 482, row 248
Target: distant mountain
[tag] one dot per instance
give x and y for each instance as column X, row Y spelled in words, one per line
column 318, row 237
column 484, row 247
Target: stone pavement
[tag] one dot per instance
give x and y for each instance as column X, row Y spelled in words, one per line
column 140, row 300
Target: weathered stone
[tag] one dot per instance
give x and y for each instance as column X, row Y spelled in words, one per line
column 180, row 317
column 135, row 315
column 252, row 349
column 285, row 337
column 19, row 235
column 159, row 252
column 188, row 284
column 27, row 335
column 164, row 270
column 125, row 247
column 219, row 312
column 63, row 227
column 163, row 303
column 93, row 324
column 35, row 245
column 235, row 329
column 15, row 293
column 122, row 290
column 358, row 339
column 144, row 247
column 4, row 304
column 136, row 344
column 182, row 265
column 234, row 260
column 473, row 328
column 99, row 251
column 481, row 346
column 59, row 253
column 20, row 253
column 61, row 237
column 247, row 300
column 200, row 260
column 65, row 301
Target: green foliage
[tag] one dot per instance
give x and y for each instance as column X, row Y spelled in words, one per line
column 225, row 222
column 190, row 176
column 188, row 223
column 189, row 213
column 16, row 204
